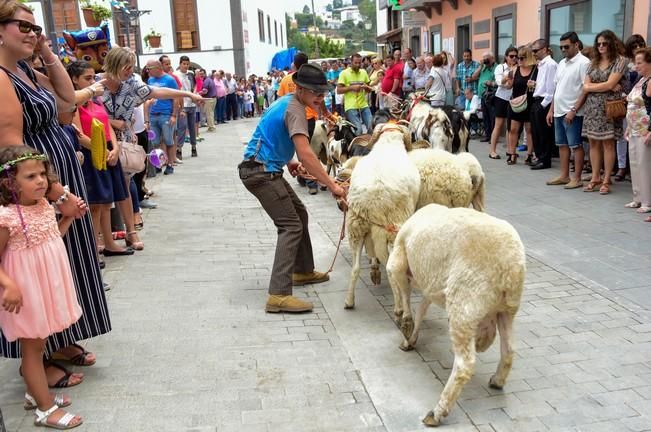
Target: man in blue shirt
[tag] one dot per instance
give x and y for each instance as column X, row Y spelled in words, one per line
column 281, row 132
column 162, row 116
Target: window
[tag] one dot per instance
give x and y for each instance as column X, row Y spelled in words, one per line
column 436, row 42
column 186, row 26
column 268, row 29
column 586, row 18
column 503, row 36
column 282, row 36
column 261, row 25
column 276, row 31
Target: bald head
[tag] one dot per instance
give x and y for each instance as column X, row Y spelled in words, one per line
column 154, row 67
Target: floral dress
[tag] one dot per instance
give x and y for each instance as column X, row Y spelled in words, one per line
column 595, row 124
column 637, row 118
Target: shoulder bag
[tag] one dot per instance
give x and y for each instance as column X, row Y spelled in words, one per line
column 616, row 108
column 519, row 103
column 132, row 156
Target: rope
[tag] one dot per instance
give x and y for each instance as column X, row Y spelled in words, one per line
column 342, row 234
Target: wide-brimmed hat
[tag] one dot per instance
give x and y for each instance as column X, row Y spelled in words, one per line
column 311, row 77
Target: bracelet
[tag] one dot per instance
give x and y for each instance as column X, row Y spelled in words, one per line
column 50, row 64
column 64, row 197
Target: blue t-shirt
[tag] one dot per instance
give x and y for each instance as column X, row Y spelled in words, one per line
column 163, row 106
column 273, row 135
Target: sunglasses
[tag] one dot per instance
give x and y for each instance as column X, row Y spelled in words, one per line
column 522, row 58
column 602, row 44
column 26, row 26
column 512, row 55
column 564, row 47
column 535, row 50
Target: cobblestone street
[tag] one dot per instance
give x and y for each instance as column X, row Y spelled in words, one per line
column 193, row 350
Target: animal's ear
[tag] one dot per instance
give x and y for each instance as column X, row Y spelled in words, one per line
column 72, row 43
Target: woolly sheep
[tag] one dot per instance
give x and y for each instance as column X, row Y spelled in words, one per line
column 471, row 264
column 383, row 193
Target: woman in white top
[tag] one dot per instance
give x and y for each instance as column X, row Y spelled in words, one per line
column 504, row 79
column 436, row 83
column 449, row 65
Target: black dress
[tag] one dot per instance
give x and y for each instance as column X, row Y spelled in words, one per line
column 41, row 131
column 520, row 88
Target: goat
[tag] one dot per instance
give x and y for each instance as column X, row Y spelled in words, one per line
column 471, row 264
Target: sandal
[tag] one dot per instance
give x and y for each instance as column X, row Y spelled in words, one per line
column 59, row 399
column 604, row 189
column 648, row 219
column 591, row 187
column 621, row 175
column 64, row 381
column 62, row 424
column 138, row 245
column 644, row 209
column 496, row 156
column 633, row 205
column 80, row 359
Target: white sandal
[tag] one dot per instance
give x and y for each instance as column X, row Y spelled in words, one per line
column 633, row 204
column 62, row 424
column 58, row 398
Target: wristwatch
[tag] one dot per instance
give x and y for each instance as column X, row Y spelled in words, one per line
column 573, row 109
column 64, row 196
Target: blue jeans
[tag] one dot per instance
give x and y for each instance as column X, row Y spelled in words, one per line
column 220, row 110
column 357, row 116
column 569, row 135
column 160, row 124
column 187, row 123
column 133, row 191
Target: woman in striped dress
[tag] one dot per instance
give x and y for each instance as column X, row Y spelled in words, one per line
column 28, row 114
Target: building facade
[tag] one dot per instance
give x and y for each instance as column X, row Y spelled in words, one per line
column 241, row 36
column 494, row 25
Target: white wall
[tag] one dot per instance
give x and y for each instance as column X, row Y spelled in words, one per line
column 380, row 17
column 259, row 54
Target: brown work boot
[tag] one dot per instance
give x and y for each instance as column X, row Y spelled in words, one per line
column 313, row 277
column 287, row 303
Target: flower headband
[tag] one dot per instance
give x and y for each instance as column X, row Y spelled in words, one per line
column 10, row 164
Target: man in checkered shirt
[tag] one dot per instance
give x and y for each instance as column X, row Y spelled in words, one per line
column 467, row 74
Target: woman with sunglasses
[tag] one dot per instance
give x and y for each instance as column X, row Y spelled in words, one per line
column 525, row 72
column 504, row 80
column 28, row 114
column 602, row 83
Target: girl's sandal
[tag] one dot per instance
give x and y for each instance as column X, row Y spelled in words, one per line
column 64, row 423
column 633, row 205
column 134, row 245
column 59, row 400
column 648, row 219
column 604, row 189
column 644, row 209
column 590, row 187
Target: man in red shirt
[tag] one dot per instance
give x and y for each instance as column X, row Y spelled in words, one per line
column 392, row 82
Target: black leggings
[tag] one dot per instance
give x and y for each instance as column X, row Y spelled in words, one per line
column 139, row 178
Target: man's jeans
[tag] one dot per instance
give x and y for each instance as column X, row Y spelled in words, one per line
column 220, row 111
column 187, row 122
column 357, row 116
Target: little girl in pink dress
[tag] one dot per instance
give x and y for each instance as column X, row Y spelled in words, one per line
column 36, row 287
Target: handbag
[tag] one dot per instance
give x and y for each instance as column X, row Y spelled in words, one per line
column 519, row 104
column 616, row 109
column 132, row 157
column 98, row 150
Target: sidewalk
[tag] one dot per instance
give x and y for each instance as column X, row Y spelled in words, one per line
column 193, row 350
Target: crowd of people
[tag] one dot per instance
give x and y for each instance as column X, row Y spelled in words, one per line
column 70, row 136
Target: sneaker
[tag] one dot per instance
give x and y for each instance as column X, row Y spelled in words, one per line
column 557, row 182
column 522, row 148
column 312, row 190
column 574, row 184
column 286, row 303
column 146, row 204
column 168, row 170
column 179, row 154
column 301, row 181
column 194, row 152
column 187, row 139
column 106, row 286
column 314, row 277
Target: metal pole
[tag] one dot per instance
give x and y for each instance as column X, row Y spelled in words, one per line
column 49, row 22
column 316, row 38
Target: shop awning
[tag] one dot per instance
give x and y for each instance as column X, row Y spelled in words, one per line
column 391, row 35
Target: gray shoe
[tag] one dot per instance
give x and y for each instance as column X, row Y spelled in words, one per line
column 147, row 204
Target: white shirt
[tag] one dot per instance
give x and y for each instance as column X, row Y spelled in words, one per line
column 419, row 78
column 545, row 82
column 186, row 84
column 231, row 85
column 471, row 106
column 569, row 83
column 500, row 72
column 437, row 90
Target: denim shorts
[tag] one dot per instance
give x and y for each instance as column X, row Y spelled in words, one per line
column 568, row 135
column 160, row 124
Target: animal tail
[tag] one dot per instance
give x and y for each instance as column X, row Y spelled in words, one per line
column 479, row 186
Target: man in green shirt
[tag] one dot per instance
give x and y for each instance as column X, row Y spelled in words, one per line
column 487, row 82
column 353, row 84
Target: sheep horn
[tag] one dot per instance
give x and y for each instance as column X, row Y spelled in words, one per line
column 406, row 133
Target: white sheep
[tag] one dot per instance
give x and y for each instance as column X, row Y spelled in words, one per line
column 471, row 264
column 383, row 193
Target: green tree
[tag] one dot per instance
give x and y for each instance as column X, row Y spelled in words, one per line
column 329, row 8
column 306, row 9
column 367, row 9
column 336, row 4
